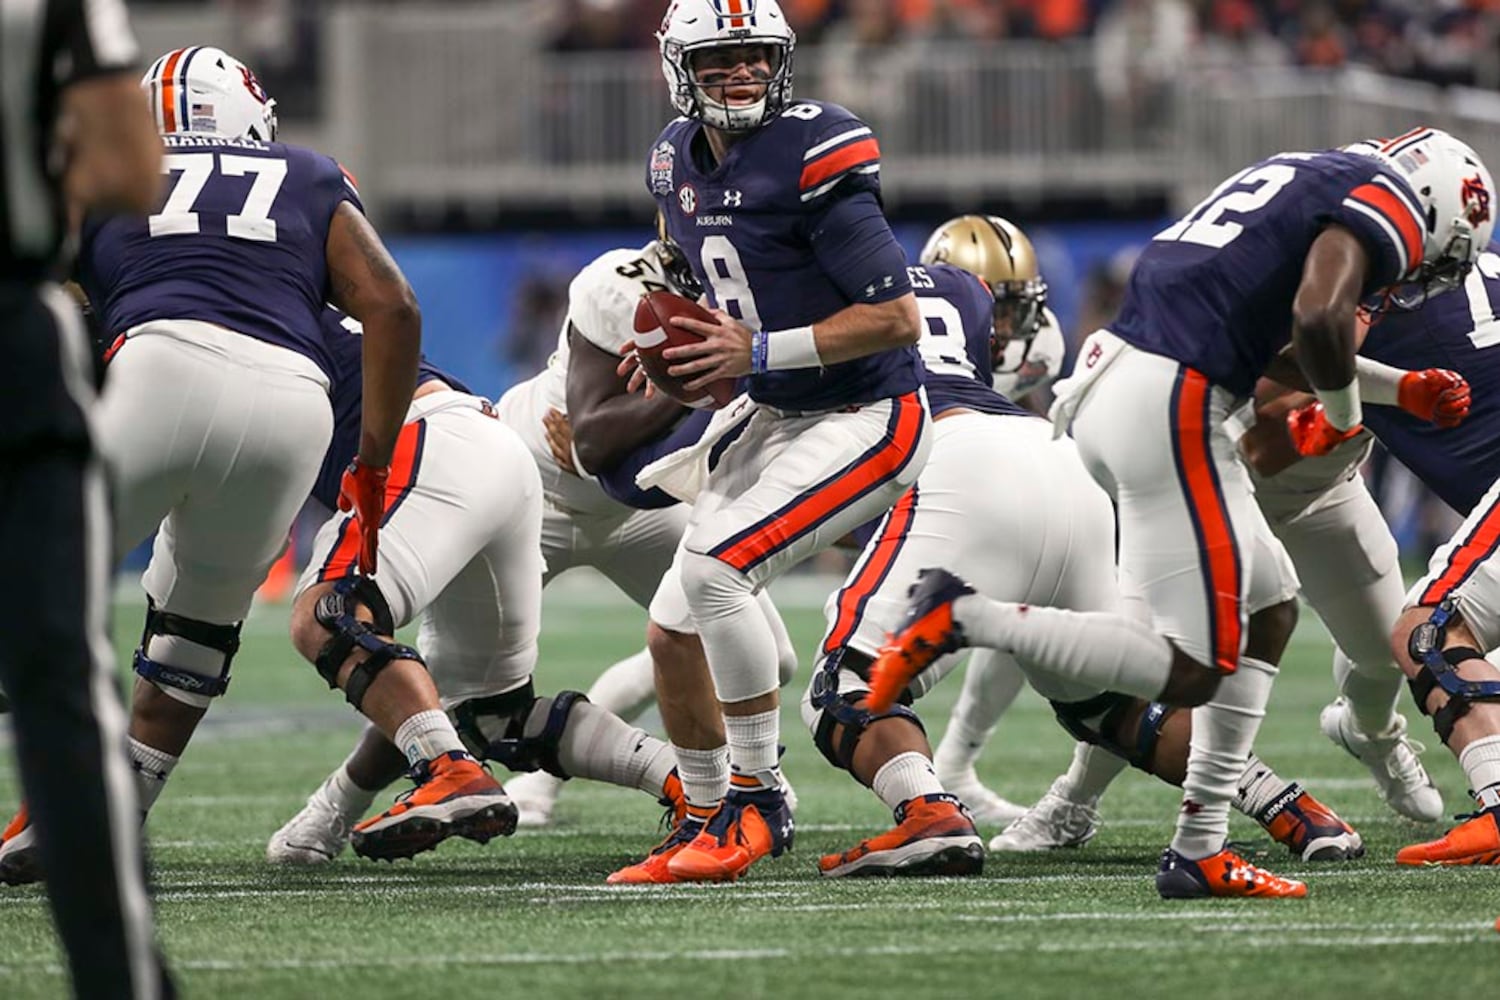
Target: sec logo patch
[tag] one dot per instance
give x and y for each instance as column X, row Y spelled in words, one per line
column 688, row 199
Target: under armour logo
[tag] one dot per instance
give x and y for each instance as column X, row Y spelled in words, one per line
column 733, row 198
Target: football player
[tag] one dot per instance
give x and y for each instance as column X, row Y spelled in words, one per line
column 215, row 414
column 1286, row 249
column 461, row 549
column 776, row 204
column 1045, row 537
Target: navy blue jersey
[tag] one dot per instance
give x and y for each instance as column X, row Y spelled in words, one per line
column 1458, row 331
column 343, row 345
column 240, row 241
column 753, row 227
column 958, row 320
column 1214, row 291
column 619, row 481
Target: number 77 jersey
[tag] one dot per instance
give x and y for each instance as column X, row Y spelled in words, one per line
column 240, row 240
column 1214, row 290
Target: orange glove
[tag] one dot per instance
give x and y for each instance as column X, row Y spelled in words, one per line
column 1435, row 394
column 362, row 490
column 1311, row 432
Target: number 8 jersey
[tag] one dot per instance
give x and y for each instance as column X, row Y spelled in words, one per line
column 752, row 228
column 240, row 241
column 1214, row 291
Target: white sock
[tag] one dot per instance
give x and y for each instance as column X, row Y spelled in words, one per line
column 1372, row 693
column 152, row 767
column 345, row 796
column 705, row 777
column 1091, row 772
column 991, row 683
column 1481, row 763
column 427, row 735
column 599, row 745
column 627, row 688
column 753, row 753
column 1102, row 650
column 904, row 777
column 1223, row 733
column 1258, row 787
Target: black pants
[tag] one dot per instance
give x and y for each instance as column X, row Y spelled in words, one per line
column 56, row 663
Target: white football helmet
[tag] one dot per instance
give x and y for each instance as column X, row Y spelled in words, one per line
column 1454, row 190
column 692, row 26
column 207, row 91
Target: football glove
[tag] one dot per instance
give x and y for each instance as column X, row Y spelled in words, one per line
column 1311, row 432
column 362, row 490
column 1436, row 395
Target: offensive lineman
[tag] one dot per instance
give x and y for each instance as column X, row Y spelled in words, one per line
column 1287, row 248
column 776, row 205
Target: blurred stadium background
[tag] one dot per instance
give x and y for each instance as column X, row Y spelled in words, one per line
column 500, row 145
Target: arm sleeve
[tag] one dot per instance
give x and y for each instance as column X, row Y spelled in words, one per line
column 1383, row 215
column 91, row 38
column 854, row 246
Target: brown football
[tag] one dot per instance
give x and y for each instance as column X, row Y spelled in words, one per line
column 655, row 332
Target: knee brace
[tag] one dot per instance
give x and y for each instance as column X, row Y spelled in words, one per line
column 335, row 612
column 839, row 710
column 518, row 729
column 1425, row 645
column 185, row 685
column 1094, row 719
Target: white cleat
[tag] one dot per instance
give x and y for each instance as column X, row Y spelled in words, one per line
column 316, row 835
column 790, row 794
column 1391, row 759
column 987, row 808
column 534, row 794
column 1053, row 822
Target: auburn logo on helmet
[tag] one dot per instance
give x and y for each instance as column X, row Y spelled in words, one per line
column 1476, row 199
column 253, row 85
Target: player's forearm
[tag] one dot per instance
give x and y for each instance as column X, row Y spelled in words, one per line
column 113, row 152
column 860, row 330
column 605, row 433
column 392, row 346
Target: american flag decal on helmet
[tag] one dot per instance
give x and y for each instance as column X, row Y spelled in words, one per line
column 735, row 13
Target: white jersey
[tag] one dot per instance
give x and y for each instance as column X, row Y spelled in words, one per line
column 601, row 307
column 1043, row 362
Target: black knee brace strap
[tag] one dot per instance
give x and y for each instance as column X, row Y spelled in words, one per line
column 335, row 612
column 842, row 712
column 503, row 709
column 1425, row 645
column 533, row 740
column 221, row 638
column 1078, row 718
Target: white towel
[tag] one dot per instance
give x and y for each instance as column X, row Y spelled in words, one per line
column 1095, row 354
column 683, row 472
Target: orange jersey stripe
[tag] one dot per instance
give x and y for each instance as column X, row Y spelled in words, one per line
column 805, row 514
column 169, row 91
column 1206, row 504
column 1479, row 546
column 855, row 154
column 1395, row 211
column 852, row 598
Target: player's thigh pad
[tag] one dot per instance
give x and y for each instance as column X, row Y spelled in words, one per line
column 1467, row 571
column 1273, row 578
column 1152, row 431
column 637, row 554
column 793, row 485
column 219, row 437
column 1339, row 541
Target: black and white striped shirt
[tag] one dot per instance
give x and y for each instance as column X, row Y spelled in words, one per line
column 45, row 46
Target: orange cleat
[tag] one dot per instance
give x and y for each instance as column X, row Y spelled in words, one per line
column 454, row 797
column 19, row 863
column 1225, row 874
column 934, row 835
column 1475, row 842
column 673, row 798
column 653, row 870
column 926, row 633
column 1309, row 829
column 746, row 827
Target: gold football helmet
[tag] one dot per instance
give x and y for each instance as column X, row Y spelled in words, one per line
column 1000, row 254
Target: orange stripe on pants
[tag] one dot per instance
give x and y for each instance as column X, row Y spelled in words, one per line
column 1478, row 547
column 344, row 559
column 852, row 599
column 1200, row 481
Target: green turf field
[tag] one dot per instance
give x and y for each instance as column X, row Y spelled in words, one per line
column 531, row 916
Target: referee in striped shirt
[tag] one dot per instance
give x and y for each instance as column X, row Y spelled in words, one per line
column 75, row 135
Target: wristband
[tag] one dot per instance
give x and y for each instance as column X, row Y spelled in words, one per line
column 792, row 348
column 1378, row 382
column 1341, row 406
column 758, row 351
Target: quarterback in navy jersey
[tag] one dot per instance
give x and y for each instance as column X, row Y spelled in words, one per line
column 215, row 417
column 1285, row 250
column 776, row 206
